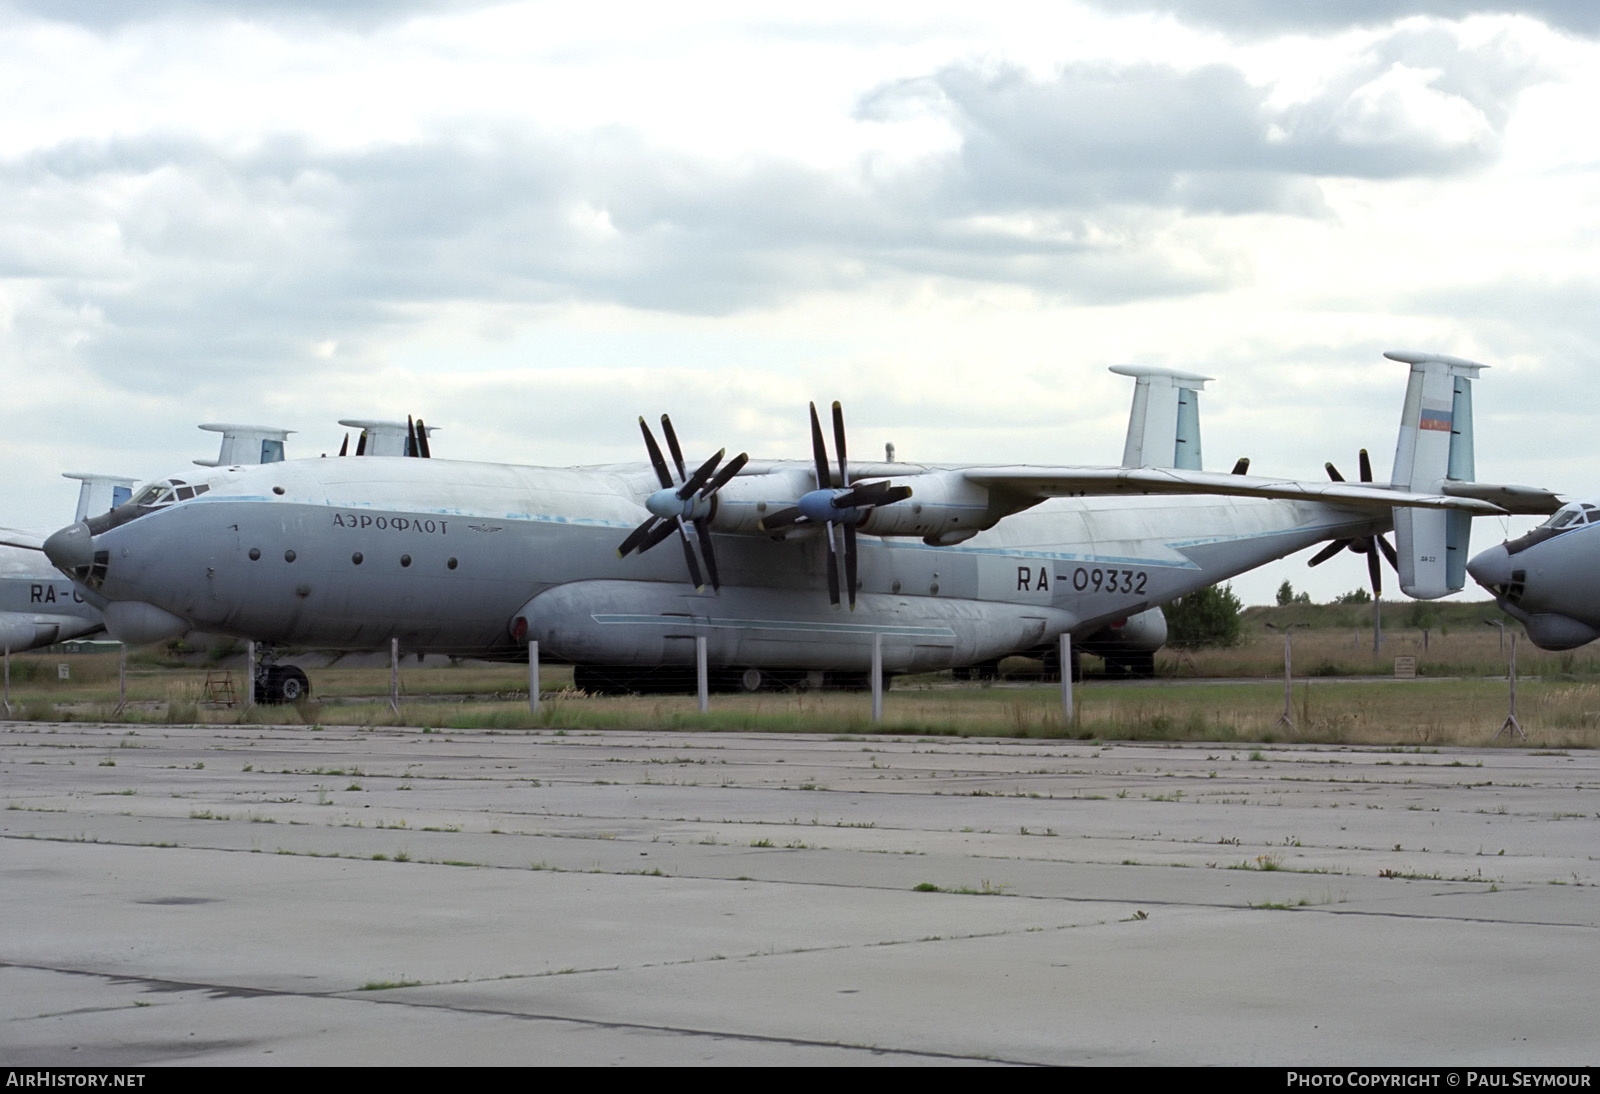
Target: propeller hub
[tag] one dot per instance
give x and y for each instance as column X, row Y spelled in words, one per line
column 817, row 505
column 667, row 505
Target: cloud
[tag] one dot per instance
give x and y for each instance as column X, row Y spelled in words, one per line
column 167, row 259
column 361, row 14
column 1207, row 140
column 1267, row 17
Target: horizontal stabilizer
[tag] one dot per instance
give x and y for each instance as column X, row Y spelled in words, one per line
column 1522, row 500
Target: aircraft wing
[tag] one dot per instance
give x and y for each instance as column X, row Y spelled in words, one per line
column 16, row 537
column 1072, row 482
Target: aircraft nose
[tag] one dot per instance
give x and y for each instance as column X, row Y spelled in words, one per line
column 1491, row 568
column 70, row 549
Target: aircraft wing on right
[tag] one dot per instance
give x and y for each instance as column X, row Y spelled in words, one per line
column 1038, row 483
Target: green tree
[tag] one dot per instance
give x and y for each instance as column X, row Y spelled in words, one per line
column 1206, row 617
column 1285, row 594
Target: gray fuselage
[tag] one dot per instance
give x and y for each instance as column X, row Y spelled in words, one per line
column 474, row 558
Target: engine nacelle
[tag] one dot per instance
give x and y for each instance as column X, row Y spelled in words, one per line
column 944, row 508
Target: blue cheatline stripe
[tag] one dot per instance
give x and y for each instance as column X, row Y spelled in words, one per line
column 774, row 625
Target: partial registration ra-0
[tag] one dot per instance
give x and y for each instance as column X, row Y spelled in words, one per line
column 952, row 566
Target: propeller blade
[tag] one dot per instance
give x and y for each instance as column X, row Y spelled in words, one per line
column 411, row 436
column 635, row 538
column 872, row 494
column 1242, row 467
column 1388, row 551
column 672, row 446
column 833, row 570
column 345, row 447
column 700, row 477
column 850, row 563
column 1328, row 552
column 1333, row 472
column 422, row 441
column 361, row 444
column 657, row 534
column 702, row 532
column 838, row 444
column 720, row 479
column 1366, row 466
column 819, row 451
column 656, row 459
column 1375, row 571
column 688, row 556
column 781, row 519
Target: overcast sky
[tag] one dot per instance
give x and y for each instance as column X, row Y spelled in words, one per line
column 531, row 223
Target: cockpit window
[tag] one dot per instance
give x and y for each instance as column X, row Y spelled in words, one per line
column 1565, row 519
column 153, row 496
column 158, row 494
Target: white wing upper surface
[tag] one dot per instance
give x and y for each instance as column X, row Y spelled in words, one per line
column 1066, row 482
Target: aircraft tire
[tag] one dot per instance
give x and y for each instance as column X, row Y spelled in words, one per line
column 292, row 685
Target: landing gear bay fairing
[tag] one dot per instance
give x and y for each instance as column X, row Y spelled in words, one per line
column 788, row 569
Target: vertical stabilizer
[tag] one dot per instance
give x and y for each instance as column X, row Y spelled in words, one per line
column 246, row 444
column 1435, row 445
column 385, row 438
column 99, row 493
column 1164, row 426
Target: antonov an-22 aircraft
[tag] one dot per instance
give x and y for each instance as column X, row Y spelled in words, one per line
column 788, row 569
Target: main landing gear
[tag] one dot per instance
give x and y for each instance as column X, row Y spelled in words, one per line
column 276, row 685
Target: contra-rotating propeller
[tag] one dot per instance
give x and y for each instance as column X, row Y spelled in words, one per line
column 845, row 506
column 681, row 501
column 1361, row 545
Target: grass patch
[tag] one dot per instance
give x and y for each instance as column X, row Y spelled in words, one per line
column 1559, row 712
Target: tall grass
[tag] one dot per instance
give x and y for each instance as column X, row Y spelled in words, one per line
column 1561, row 708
